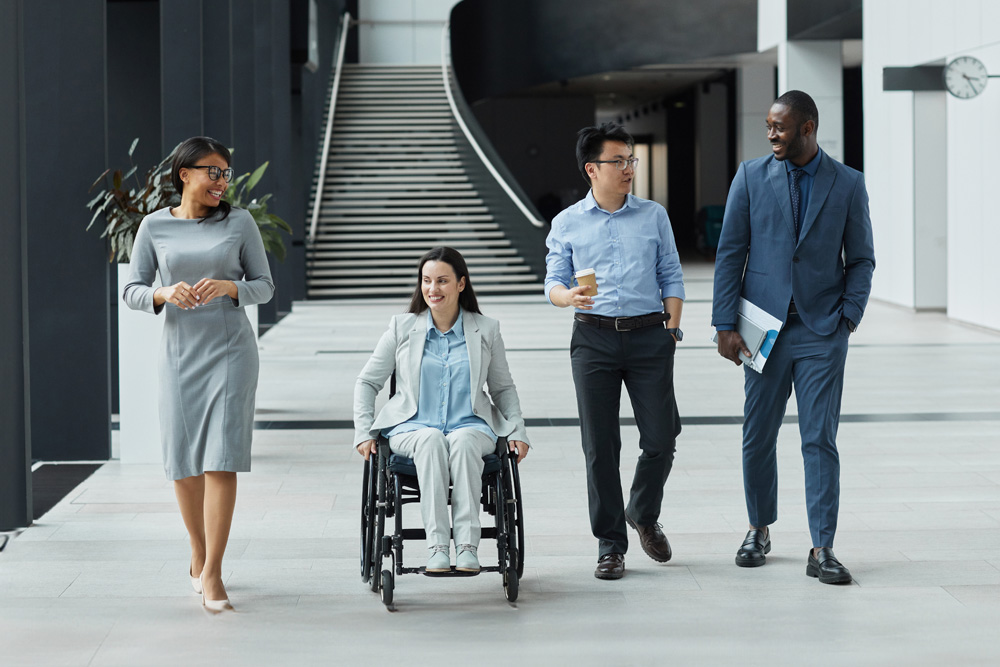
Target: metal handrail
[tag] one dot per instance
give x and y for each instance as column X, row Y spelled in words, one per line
column 339, row 65
column 445, row 64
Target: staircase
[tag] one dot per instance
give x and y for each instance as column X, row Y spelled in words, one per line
column 395, row 187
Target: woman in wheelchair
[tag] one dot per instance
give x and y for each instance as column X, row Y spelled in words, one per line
column 440, row 416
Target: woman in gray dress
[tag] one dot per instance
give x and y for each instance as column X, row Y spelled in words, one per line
column 211, row 263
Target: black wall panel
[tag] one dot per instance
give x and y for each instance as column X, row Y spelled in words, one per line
column 15, row 438
column 64, row 98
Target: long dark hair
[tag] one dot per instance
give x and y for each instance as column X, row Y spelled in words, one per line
column 189, row 154
column 454, row 259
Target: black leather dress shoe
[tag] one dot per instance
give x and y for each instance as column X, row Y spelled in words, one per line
column 756, row 544
column 653, row 541
column 610, row 566
column 825, row 567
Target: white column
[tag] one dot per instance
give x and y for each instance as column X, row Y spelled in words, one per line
column 816, row 68
column 930, row 200
column 754, row 95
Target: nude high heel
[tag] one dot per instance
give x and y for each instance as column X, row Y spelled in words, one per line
column 214, row 606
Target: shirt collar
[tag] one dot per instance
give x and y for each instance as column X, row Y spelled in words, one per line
column 458, row 329
column 810, row 168
column 590, row 203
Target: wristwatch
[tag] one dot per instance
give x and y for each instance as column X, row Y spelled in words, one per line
column 677, row 334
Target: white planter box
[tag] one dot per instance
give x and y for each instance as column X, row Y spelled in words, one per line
column 138, row 378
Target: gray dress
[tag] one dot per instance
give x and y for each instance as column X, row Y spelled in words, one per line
column 208, row 355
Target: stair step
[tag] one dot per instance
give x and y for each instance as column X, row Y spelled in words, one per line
column 401, row 225
column 407, row 281
column 443, row 134
column 404, row 271
column 481, row 288
column 405, row 266
column 363, row 212
column 369, row 203
column 373, row 115
column 360, row 161
column 433, row 186
column 335, row 255
column 397, row 177
column 340, row 122
column 466, row 243
column 334, row 219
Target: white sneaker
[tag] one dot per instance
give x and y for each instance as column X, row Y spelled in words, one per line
column 467, row 560
column 440, row 559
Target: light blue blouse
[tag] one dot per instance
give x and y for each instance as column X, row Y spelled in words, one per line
column 445, row 400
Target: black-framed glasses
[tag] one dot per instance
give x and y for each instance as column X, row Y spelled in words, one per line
column 620, row 165
column 215, row 172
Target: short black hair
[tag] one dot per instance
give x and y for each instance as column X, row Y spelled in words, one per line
column 590, row 143
column 801, row 105
column 188, row 154
column 453, row 258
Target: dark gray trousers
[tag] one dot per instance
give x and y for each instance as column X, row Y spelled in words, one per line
column 643, row 360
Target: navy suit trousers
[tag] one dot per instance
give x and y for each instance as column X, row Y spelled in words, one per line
column 602, row 360
column 814, row 365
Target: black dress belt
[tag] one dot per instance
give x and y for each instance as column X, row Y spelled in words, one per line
column 623, row 323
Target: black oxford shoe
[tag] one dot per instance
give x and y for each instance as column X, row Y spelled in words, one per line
column 752, row 552
column 825, row 567
column 610, row 566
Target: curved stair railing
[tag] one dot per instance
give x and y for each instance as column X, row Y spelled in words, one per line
column 453, row 95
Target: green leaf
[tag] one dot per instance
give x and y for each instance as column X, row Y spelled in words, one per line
column 116, row 180
column 257, row 176
column 135, row 142
column 99, row 179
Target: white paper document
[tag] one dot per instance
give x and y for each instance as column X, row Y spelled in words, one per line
column 758, row 330
column 765, row 322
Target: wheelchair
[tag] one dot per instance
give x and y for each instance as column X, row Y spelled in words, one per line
column 390, row 483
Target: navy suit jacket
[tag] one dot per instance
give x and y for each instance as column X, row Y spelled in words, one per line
column 828, row 271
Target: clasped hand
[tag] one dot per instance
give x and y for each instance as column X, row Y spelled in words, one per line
column 185, row 296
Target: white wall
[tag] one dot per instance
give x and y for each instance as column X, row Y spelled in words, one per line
column 915, row 32
column 399, row 42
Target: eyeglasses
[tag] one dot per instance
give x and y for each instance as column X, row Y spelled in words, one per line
column 214, row 172
column 620, row 165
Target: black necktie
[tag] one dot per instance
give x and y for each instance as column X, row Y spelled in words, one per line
column 796, row 200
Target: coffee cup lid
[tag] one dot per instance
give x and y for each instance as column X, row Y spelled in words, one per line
column 585, row 272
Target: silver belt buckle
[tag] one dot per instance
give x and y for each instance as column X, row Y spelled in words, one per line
column 621, row 319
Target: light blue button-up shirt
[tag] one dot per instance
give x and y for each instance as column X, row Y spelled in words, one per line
column 632, row 250
column 445, row 400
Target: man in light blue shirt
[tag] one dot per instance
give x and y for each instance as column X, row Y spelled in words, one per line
column 627, row 332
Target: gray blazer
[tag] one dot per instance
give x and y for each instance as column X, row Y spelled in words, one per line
column 401, row 349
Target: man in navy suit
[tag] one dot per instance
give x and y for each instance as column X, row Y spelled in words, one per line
column 796, row 242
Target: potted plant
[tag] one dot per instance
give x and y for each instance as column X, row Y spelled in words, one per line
column 124, row 202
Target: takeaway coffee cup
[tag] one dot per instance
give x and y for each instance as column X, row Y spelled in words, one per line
column 588, row 277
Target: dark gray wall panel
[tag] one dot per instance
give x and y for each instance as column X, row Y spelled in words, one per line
column 15, row 438
column 181, row 77
column 64, row 97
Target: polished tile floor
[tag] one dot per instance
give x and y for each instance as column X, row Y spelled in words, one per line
column 101, row 579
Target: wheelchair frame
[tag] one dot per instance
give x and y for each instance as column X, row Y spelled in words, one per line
column 384, row 492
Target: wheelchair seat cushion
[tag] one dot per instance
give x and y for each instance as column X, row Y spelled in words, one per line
column 400, row 465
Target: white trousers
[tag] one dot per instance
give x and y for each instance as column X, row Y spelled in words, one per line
column 458, row 455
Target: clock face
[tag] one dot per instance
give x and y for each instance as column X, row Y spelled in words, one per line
column 965, row 77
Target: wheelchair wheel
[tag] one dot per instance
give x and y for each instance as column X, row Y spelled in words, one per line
column 386, row 587
column 516, row 520
column 510, row 583
column 368, row 521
